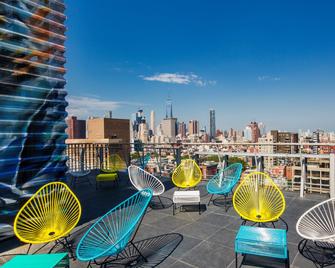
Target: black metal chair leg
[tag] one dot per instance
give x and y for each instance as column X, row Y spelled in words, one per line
column 160, row 200
column 210, row 200
column 286, row 225
column 29, row 248
column 139, row 252
column 69, row 248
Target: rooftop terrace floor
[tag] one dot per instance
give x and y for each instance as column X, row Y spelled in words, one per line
column 184, row 240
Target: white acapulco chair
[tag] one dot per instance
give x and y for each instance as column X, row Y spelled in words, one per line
column 142, row 179
column 318, row 224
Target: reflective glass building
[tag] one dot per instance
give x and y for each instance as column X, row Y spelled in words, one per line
column 212, row 127
column 32, row 101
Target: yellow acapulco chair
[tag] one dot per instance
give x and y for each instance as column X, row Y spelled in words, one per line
column 109, row 169
column 187, row 174
column 258, row 199
column 49, row 215
column 113, row 164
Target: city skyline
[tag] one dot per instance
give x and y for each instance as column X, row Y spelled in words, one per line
column 202, row 125
column 259, row 61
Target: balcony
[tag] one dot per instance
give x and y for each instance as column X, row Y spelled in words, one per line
column 186, row 239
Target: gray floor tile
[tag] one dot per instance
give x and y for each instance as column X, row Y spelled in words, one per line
column 216, row 219
column 224, row 237
column 187, row 244
column 170, row 223
column 209, row 254
column 198, row 230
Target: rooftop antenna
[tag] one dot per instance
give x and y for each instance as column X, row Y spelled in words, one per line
column 168, row 113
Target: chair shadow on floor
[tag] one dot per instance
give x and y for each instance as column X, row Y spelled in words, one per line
column 160, row 202
column 191, row 208
column 154, row 249
column 220, row 201
column 321, row 254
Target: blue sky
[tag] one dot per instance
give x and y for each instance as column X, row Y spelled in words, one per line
column 269, row 61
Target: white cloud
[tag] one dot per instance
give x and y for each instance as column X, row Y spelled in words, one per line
column 176, row 78
column 84, row 106
column 268, row 78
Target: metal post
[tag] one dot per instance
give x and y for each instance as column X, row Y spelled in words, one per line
column 101, row 157
column 303, row 176
column 332, row 175
column 178, row 156
column 225, row 161
column 81, row 161
column 260, row 163
column 196, row 158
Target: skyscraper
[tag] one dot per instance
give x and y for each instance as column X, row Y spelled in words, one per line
column 182, row 129
column 262, row 129
column 247, row 133
column 193, row 127
column 139, row 119
column 152, row 122
column 169, row 128
column 212, row 127
column 169, row 113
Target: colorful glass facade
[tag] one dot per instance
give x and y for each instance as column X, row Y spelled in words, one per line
column 32, row 101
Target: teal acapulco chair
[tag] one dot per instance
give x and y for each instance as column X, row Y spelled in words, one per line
column 224, row 181
column 146, row 160
column 111, row 234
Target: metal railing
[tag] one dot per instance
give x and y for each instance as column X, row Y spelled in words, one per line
column 258, row 155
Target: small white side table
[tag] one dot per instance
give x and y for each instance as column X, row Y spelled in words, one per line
column 186, row 197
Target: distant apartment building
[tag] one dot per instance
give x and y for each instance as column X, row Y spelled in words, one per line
column 169, row 128
column 265, row 148
column 108, row 128
column 182, row 129
column 205, row 138
column 193, row 127
column 285, row 137
column 105, row 136
column 315, row 139
column 76, row 128
column 143, row 132
column 252, row 132
column 317, row 177
column 255, row 132
column 231, row 133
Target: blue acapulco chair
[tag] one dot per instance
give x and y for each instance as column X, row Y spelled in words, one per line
column 145, row 160
column 224, row 181
column 111, row 234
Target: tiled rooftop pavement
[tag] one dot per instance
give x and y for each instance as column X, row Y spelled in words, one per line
column 186, row 239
